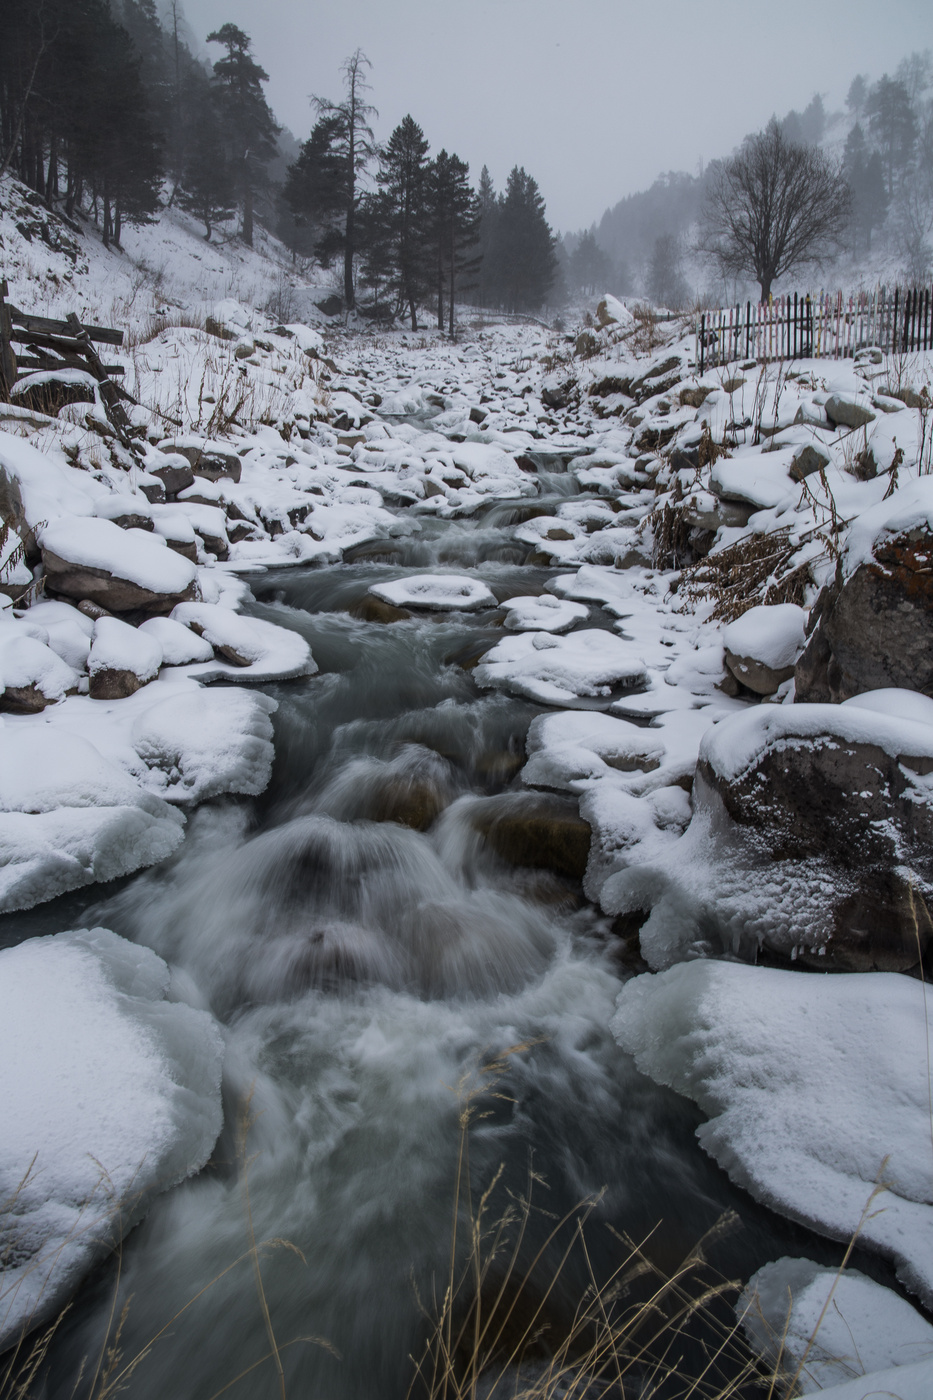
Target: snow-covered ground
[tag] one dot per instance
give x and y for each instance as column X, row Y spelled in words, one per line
column 269, row 438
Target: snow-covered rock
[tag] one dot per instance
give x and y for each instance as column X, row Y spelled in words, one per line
column 255, row 650
column 31, row 674
column 436, row 592
column 180, row 646
column 544, row 614
column 762, row 646
column 815, row 1089
column 110, row 1094
column 122, row 658
column 203, row 742
column 830, row 1326
column 121, row 570
column 577, row 670
column 68, row 817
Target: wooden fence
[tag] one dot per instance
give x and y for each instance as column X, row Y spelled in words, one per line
column 50, row 346
column 825, row 326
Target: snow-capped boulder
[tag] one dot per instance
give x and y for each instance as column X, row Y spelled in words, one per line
column 837, row 1105
column 31, row 674
column 584, row 669
column 762, row 646
column 68, row 631
column 847, row 413
column 110, row 1095
column 873, row 626
column 544, row 614
column 436, row 593
column 121, row 570
column 865, row 1327
column 255, row 650
column 69, row 817
column 122, row 658
column 812, row 838
column 180, row 646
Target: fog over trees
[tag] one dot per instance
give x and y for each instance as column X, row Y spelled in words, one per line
column 108, row 114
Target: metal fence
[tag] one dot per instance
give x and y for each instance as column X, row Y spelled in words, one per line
column 826, row 325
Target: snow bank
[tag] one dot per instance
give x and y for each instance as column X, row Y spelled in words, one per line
column 110, row 1094
column 865, row 1328
column 816, row 1088
column 69, row 817
column 561, row 670
column 439, row 592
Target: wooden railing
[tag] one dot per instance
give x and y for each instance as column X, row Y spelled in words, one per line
column 826, row 325
column 47, row 345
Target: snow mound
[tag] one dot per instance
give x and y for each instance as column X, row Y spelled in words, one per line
column 201, row 743
column 27, row 663
column 69, row 817
column 865, row 1328
column 815, row 1087
column 567, row 671
column 119, row 647
column 180, row 646
column 544, row 614
column 773, row 635
column 897, row 704
column 438, row 592
column 110, row 1095
column 255, row 650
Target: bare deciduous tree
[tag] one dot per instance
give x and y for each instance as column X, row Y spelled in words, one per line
column 772, row 207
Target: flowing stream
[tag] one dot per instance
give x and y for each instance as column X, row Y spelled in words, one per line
column 365, row 971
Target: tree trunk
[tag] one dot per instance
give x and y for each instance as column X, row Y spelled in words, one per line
column 247, row 232
column 453, row 273
column 350, row 232
column 414, row 314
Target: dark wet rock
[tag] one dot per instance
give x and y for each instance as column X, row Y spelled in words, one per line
column 373, row 609
column 843, row 413
column 543, row 832
column 115, row 684
column 808, row 460
column 874, row 629
column 175, row 475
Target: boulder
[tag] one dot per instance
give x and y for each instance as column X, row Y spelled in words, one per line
column 31, row 674
column 843, row 413
column 174, row 473
column 808, row 460
column 587, row 343
column 120, row 570
column 872, row 627
column 762, row 646
column 122, row 659
column 205, row 459
column 544, row 832
column 694, row 396
column 831, row 805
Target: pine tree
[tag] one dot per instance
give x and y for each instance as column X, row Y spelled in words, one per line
column 208, row 187
column 522, row 252
column 355, row 144
column 315, row 191
column 250, row 126
column 590, row 269
column 487, row 209
column 397, row 216
column 455, row 225
column 892, row 123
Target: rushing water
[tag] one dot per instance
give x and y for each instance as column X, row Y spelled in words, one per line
column 365, row 971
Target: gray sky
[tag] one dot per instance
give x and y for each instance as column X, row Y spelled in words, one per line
column 594, row 97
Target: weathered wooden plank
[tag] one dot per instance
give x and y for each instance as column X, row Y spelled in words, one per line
column 42, row 325
column 7, row 356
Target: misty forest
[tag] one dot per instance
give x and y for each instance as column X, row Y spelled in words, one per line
column 466, row 732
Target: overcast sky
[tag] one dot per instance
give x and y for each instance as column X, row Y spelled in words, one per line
column 593, row 97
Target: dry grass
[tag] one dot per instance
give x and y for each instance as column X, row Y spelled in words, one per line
column 756, row 569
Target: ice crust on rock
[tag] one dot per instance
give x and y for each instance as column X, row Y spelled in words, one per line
column 68, row 817
column 569, row 670
column 110, row 1094
column 437, row 592
column 815, row 1089
column 865, row 1328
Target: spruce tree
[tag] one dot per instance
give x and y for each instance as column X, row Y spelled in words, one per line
column 315, row 191
column 250, row 126
column 455, row 227
column 397, row 216
column 522, row 252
